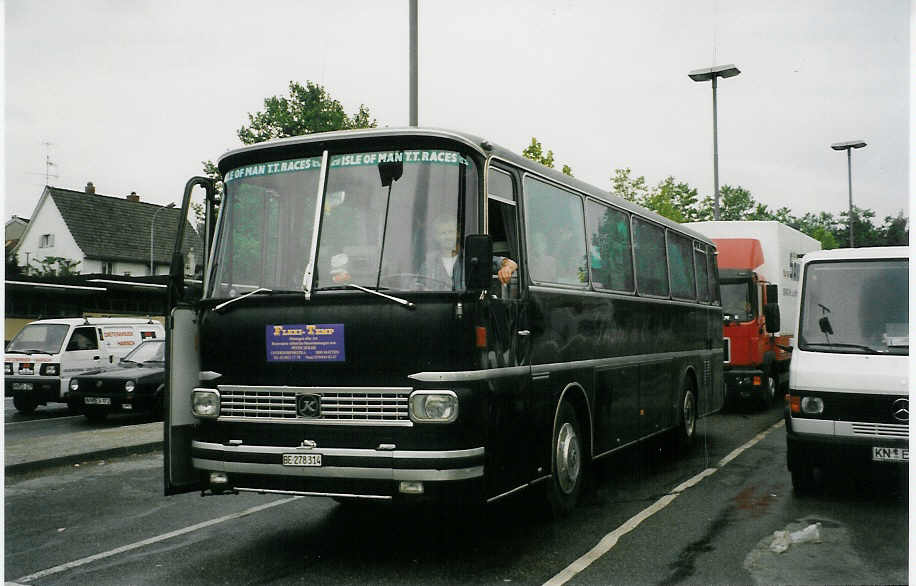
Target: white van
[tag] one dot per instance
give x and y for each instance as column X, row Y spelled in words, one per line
column 848, row 400
column 45, row 354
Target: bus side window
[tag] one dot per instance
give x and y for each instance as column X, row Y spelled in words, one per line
column 683, row 281
column 713, row 270
column 651, row 266
column 556, row 230
column 502, row 225
column 702, row 272
column 610, row 251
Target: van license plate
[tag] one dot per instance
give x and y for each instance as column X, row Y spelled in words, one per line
column 302, row 460
column 890, row 454
column 22, row 386
column 97, row 400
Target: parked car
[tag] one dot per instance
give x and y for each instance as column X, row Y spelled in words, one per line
column 136, row 386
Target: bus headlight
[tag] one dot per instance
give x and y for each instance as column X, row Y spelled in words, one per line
column 812, row 405
column 129, row 386
column 433, row 406
column 205, row 403
column 74, row 384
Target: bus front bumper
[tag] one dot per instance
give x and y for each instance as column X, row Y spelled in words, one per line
column 745, row 382
column 373, row 474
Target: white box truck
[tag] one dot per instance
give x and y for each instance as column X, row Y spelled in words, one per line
column 759, row 282
column 848, row 399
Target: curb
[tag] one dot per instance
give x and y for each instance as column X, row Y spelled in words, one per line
column 108, row 453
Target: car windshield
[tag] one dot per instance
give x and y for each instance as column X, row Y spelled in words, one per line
column 736, row 301
column 385, row 218
column 39, row 338
column 858, row 307
column 150, row 351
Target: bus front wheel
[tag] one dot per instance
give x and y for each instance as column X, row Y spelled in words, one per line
column 567, row 461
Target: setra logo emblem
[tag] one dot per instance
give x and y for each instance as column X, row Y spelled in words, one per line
column 308, row 405
column 902, row 409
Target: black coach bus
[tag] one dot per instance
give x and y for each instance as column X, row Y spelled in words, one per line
column 353, row 341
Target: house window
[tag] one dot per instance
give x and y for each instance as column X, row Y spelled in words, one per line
column 107, row 268
column 46, row 241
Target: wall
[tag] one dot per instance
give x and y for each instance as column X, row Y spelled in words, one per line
column 47, row 220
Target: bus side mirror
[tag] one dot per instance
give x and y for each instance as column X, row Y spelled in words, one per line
column 478, row 256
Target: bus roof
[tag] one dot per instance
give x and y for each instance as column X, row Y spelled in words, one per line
column 483, row 147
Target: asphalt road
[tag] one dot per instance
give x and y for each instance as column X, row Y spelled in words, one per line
column 56, row 419
column 652, row 518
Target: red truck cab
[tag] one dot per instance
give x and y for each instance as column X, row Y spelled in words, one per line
column 756, row 361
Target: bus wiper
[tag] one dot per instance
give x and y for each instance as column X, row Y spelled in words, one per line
column 240, row 297
column 868, row 349
column 398, row 300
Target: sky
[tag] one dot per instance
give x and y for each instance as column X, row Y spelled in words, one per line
column 134, row 95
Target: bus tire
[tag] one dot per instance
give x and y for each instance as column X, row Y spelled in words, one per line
column 24, row 404
column 567, row 462
column 687, row 418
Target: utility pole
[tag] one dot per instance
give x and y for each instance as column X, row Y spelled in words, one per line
column 414, row 118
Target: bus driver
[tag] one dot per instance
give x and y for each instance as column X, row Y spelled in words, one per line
column 444, row 261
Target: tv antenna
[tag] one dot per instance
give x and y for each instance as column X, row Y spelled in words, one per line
column 49, row 163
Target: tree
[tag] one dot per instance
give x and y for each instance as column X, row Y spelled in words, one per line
column 307, row 110
column 56, row 266
column 12, row 264
column 535, row 152
column 625, row 186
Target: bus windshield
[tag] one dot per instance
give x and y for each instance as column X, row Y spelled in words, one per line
column 857, row 307
column 737, row 303
column 385, row 221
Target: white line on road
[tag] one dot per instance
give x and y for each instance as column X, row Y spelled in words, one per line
column 45, row 420
column 151, row 540
column 610, row 540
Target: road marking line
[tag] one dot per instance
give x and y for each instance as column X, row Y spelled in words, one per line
column 610, row 540
column 45, row 420
column 151, row 540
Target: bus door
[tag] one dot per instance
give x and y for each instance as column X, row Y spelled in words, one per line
column 182, row 375
column 508, row 342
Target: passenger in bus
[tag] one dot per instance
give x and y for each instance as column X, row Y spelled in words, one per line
column 444, row 261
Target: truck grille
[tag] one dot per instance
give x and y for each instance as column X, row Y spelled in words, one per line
column 339, row 405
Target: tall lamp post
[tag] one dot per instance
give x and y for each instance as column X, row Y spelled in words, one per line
column 151, row 225
column 707, row 74
column 848, row 146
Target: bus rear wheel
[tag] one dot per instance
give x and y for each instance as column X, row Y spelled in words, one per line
column 687, row 426
column 567, row 461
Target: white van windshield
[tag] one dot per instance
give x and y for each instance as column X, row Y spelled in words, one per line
column 855, row 307
column 39, row 339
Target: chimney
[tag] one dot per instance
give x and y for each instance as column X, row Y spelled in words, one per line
column 133, row 196
column 90, row 188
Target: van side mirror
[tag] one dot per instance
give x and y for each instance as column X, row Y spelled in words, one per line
column 478, row 256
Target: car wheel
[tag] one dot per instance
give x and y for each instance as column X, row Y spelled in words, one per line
column 24, row 404
column 567, row 462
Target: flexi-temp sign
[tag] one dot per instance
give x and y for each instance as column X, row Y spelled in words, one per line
column 305, row 343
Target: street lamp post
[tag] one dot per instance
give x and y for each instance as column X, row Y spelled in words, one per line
column 848, row 146
column 713, row 74
column 151, row 225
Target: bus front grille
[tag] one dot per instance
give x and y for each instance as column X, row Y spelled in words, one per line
column 328, row 404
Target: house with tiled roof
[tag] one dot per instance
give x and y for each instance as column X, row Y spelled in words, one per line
column 105, row 234
column 15, row 226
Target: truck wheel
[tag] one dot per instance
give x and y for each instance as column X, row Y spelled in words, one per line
column 687, row 424
column 566, row 461
column 769, row 393
column 24, row 404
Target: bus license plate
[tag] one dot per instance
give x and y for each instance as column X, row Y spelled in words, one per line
column 302, row 460
column 98, row 400
column 22, row 386
column 890, row 454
